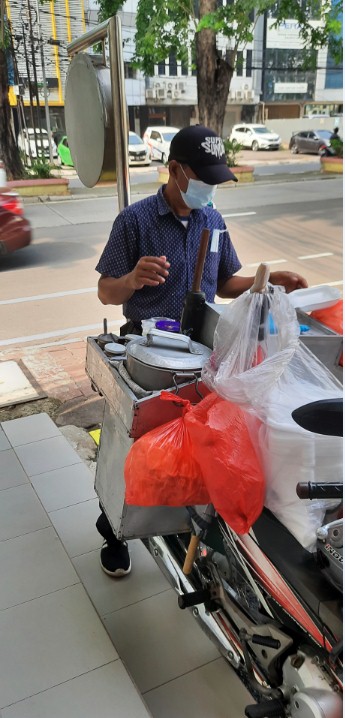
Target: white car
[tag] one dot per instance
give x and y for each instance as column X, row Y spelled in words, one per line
column 26, row 140
column 158, row 141
column 138, row 152
column 255, row 137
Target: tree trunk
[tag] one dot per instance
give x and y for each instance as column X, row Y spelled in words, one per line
column 213, row 75
column 9, row 152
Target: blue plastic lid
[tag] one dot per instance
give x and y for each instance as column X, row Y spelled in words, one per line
column 168, row 325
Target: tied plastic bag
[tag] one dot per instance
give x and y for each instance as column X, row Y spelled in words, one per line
column 230, row 466
column 204, row 456
column 161, row 469
column 287, row 376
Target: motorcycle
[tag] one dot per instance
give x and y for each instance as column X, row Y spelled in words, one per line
column 273, row 609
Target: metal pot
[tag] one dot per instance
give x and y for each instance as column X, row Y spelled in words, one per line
column 162, row 360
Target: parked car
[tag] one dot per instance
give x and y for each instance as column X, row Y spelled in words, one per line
column 26, row 143
column 138, row 152
column 255, row 137
column 64, row 152
column 309, row 141
column 158, row 141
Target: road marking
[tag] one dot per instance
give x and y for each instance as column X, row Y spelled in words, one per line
column 315, row 256
column 39, row 297
column 267, row 261
column 238, row 214
column 58, row 333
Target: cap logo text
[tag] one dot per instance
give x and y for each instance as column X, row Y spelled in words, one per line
column 213, row 146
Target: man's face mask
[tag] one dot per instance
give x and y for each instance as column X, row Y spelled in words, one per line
column 198, row 194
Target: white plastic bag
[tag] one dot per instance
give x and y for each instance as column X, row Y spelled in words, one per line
column 259, row 362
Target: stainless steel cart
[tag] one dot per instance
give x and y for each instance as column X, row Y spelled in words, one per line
column 129, row 414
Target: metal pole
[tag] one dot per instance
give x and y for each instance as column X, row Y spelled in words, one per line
column 31, row 97
column 35, row 79
column 119, row 111
column 89, row 38
column 46, row 102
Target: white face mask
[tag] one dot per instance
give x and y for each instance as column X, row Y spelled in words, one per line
column 198, row 194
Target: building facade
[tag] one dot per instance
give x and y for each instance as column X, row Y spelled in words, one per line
column 269, row 80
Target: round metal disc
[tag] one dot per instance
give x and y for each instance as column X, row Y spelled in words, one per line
column 86, row 118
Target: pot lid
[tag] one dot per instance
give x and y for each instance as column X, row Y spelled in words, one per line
column 168, row 350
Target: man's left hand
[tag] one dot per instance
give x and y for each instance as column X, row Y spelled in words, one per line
column 289, row 280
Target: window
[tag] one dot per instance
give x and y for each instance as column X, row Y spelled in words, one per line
column 172, row 64
column 240, row 129
column 161, row 68
column 155, row 136
column 249, row 63
column 130, row 72
column 287, row 67
column 184, row 69
column 239, row 63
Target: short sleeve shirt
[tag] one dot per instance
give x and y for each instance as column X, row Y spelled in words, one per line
column 150, row 228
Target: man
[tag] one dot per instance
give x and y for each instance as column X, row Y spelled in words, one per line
column 148, row 262
column 335, row 134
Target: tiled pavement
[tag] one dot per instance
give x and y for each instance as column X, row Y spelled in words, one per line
column 59, row 369
column 72, row 639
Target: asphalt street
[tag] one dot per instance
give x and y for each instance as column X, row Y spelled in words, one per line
column 48, row 290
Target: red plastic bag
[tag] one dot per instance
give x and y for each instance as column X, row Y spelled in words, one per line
column 160, row 469
column 331, row 317
column 230, row 466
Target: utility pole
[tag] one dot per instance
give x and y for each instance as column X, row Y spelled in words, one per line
column 46, row 102
column 35, row 78
column 30, row 94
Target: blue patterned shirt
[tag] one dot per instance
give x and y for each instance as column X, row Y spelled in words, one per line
column 150, row 228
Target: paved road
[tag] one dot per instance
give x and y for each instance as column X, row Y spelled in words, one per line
column 47, row 291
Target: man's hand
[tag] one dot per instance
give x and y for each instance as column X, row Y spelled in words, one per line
column 148, row 272
column 289, row 280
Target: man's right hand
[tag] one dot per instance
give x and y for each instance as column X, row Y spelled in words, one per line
column 148, row 272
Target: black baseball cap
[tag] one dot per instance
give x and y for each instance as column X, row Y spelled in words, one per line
column 203, row 151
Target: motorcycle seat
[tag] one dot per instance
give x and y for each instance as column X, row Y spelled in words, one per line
column 298, row 567
column 321, row 417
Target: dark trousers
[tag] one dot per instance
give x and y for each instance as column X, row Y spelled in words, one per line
column 103, row 527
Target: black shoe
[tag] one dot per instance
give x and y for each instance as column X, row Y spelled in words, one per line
column 115, row 559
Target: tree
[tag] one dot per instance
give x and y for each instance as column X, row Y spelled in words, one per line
column 9, row 152
column 214, row 33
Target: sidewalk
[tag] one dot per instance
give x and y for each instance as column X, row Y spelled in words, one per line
column 69, row 632
column 56, row 658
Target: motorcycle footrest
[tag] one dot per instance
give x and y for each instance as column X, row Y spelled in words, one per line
column 266, row 709
column 194, row 598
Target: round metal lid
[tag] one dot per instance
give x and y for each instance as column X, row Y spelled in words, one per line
column 165, row 350
column 88, row 119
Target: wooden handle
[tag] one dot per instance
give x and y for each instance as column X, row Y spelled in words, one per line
column 192, row 549
column 261, row 278
column 199, row 267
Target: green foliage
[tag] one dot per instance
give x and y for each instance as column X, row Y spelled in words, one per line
column 232, row 150
column 40, row 169
column 169, row 26
column 337, row 146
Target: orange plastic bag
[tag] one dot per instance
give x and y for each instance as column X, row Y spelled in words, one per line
column 230, row 466
column 160, row 469
column 331, row 317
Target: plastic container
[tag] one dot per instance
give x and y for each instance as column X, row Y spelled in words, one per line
column 313, row 298
column 165, row 323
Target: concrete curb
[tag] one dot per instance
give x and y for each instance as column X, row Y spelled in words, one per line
column 151, row 188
